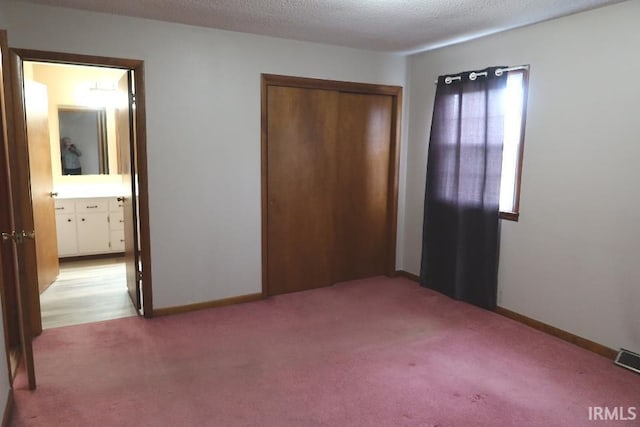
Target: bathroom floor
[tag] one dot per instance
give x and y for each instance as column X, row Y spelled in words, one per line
column 87, row 291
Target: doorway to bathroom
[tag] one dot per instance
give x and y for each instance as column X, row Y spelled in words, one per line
column 75, row 132
column 35, row 202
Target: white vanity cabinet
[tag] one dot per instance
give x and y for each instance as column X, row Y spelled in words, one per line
column 89, row 226
column 116, row 225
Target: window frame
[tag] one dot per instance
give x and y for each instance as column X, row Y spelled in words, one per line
column 514, row 214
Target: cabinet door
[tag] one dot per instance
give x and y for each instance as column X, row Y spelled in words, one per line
column 93, row 232
column 116, row 221
column 117, row 241
column 67, row 235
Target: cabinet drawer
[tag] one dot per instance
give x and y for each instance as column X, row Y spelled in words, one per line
column 115, row 205
column 65, row 206
column 116, row 221
column 92, row 205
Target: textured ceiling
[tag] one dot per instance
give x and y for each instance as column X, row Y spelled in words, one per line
column 384, row 25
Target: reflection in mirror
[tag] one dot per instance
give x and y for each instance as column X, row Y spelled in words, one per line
column 83, row 141
column 82, row 88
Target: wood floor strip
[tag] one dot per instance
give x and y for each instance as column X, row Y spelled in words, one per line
column 15, row 354
column 208, row 304
column 600, row 349
column 408, row 275
column 87, row 291
column 90, row 257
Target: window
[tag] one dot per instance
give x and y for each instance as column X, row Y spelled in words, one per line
column 515, row 112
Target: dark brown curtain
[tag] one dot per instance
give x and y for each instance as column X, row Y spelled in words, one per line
column 461, row 226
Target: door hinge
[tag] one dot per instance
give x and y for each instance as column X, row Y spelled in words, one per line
column 140, row 276
column 10, row 236
column 19, row 236
column 28, row 234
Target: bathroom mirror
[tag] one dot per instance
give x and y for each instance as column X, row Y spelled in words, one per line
column 83, row 141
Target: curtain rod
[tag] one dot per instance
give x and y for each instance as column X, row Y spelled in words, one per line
column 475, row 75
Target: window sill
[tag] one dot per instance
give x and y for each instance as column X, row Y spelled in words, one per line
column 510, row 216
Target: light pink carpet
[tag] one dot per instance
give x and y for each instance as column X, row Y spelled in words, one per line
column 379, row 352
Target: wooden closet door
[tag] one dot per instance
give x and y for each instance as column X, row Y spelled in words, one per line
column 362, row 197
column 301, row 127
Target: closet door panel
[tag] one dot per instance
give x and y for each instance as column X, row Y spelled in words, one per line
column 301, row 126
column 361, row 207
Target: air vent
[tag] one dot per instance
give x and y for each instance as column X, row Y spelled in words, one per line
column 628, row 359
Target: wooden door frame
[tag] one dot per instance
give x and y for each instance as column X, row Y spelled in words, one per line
column 18, row 56
column 394, row 152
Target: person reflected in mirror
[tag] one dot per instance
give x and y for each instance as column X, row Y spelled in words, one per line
column 70, row 155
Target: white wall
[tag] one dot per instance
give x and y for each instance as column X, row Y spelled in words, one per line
column 573, row 259
column 3, row 15
column 203, row 123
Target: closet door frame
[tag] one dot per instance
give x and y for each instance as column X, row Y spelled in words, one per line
column 395, row 92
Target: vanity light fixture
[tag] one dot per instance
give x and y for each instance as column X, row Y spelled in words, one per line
column 101, row 94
